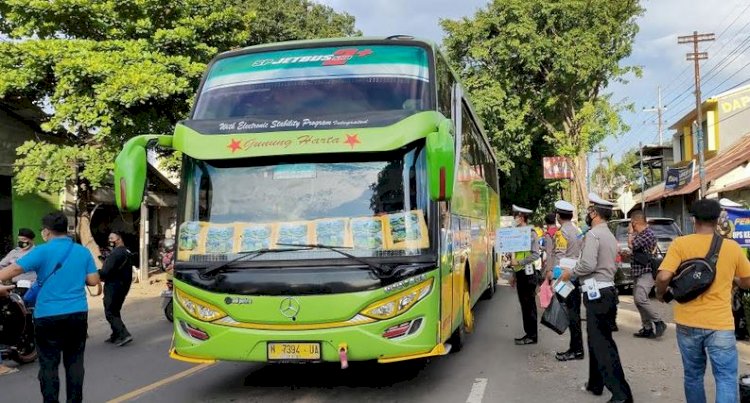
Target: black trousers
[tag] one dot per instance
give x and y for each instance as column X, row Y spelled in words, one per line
column 573, row 306
column 605, row 368
column 61, row 335
column 526, row 287
column 114, row 297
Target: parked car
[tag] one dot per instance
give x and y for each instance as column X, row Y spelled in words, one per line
column 665, row 229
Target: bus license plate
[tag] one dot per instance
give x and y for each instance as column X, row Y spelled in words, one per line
column 294, row 351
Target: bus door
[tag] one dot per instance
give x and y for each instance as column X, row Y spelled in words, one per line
column 447, row 227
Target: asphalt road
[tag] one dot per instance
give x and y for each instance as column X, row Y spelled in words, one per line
column 489, row 369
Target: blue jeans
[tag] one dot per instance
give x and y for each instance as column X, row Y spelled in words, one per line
column 721, row 346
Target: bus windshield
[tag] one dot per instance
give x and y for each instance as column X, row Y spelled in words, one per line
column 312, row 83
column 377, row 206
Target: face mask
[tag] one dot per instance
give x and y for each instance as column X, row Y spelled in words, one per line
column 589, row 220
column 22, row 244
column 111, row 244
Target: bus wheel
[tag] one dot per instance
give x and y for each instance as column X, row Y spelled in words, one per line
column 458, row 338
column 491, row 288
column 468, row 313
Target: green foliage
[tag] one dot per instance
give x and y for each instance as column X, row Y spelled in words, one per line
column 102, row 71
column 536, row 69
column 611, row 175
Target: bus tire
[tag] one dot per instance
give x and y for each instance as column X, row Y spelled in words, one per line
column 492, row 286
column 459, row 336
column 169, row 311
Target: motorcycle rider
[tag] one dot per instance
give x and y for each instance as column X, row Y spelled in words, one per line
column 25, row 245
column 4, row 291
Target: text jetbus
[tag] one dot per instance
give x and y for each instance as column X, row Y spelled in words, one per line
column 338, row 201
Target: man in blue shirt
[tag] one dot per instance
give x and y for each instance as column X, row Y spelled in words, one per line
column 63, row 269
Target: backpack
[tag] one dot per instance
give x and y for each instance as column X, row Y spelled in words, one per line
column 695, row 276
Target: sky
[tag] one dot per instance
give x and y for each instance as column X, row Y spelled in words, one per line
column 655, row 49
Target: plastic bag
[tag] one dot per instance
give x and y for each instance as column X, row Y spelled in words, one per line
column 545, row 294
column 555, row 317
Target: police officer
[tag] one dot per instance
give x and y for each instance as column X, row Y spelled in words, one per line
column 596, row 273
column 568, row 244
column 526, row 278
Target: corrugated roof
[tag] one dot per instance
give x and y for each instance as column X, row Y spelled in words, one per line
column 741, row 184
column 716, row 167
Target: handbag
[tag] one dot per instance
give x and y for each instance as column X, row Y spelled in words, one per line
column 33, row 293
column 694, row 276
column 555, row 317
column 656, row 260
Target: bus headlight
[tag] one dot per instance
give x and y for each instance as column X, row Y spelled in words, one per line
column 198, row 309
column 399, row 303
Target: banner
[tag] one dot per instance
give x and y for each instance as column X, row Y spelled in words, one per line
column 513, row 239
column 679, row 177
column 556, row 168
column 735, row 223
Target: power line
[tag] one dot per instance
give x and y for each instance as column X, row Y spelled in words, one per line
column 683, row 95
column 678, row 112
column 728, row 63
column 738, row 15
column 730, row 77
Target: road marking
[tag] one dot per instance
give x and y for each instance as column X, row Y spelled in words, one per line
column 477, row 391
column 148, row 388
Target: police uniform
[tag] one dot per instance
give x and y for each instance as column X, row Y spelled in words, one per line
column 596, row 273
column 568, row 244
column 527, row 275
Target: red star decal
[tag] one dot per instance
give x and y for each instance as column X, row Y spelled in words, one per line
column 352, row 139
column 365, row 52
column 234, row 145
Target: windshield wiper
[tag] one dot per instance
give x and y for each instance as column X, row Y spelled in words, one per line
column 246, row 256
column 375, row 268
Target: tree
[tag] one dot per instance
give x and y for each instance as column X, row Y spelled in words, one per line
column 102, row 71
column 537, row 69
column 611, row 175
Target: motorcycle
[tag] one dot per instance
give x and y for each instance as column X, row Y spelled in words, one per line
column 17, row 326
column 167, row 301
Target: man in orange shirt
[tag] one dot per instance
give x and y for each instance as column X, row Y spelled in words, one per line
column 705, row 324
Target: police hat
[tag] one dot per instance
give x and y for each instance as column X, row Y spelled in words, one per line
column 561, row 206
column 25, row 232
column 599, row 202
column 521, row 210
column 729, row 203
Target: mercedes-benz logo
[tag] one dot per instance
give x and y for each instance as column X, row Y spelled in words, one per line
column 289, row 307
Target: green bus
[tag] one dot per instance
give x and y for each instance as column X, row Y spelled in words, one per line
column 338, row 201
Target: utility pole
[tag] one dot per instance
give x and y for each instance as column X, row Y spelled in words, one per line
column 696, row 57
column 659, row 109
column 643, row 179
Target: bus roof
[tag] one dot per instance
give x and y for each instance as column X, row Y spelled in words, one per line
column 309, row 43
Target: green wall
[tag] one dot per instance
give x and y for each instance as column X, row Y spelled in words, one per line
column 29, row 209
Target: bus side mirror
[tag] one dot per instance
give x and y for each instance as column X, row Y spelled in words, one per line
column 130, row 171
column 441, row 157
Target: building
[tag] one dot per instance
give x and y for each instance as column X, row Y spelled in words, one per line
column 726, row 124
column 726, row 118
column 19, row 124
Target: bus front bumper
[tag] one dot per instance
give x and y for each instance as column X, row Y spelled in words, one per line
column 361, row 342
